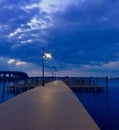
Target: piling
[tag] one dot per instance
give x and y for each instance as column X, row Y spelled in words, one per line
column 106, row 85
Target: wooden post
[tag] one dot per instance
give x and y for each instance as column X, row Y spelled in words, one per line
column 93, row 82
column 106, row 81
column 43, row 78
column 97, row 89
column 97, row 82
column 106, row 85
column 3, row 85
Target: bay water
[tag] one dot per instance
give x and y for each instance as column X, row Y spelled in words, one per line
column 102, row 106
column 5, row 94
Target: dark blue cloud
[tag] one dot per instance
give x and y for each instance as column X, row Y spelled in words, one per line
column 89, row 15
column 84, row 46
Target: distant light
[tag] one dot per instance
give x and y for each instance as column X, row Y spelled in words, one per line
column 11, row 61
column 48, row 55
column 20, row 63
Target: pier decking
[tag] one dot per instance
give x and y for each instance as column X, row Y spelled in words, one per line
column 53, row 107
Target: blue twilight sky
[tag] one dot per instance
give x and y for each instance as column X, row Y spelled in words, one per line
column 81, row 35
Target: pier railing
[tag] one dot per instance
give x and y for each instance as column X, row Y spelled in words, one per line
column 97, row 84
column 20, row 85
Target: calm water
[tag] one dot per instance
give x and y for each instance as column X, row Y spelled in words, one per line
column 4, row 93
column 103, row 108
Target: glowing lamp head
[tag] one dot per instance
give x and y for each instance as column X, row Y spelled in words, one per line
column 48, row 55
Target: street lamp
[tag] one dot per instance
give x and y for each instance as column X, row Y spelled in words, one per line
column 54, row 70
column 44, row 56
column 48, row 55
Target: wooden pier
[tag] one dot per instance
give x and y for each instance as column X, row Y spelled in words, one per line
column 87, row 84
column 52, row 107
column 17, row 88
column 20, row 85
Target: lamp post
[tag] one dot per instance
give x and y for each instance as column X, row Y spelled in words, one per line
column 43, row 67
column 54, row 70
column 44, row 56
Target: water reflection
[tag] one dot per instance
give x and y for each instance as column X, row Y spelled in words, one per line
column 4, row 93
column 9, row 89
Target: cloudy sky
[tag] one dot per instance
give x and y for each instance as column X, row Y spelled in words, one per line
column 81, row 35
